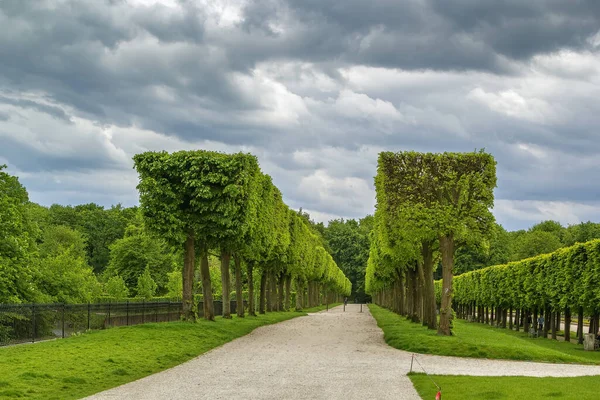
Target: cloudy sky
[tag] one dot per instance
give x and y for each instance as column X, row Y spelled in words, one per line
column 314, row 88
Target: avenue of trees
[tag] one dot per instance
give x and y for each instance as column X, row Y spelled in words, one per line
column 206, row 202
column 554, row 285
column 428, row 206
column 86, row 253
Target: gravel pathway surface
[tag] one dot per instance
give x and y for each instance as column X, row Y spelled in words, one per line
column 327, row 355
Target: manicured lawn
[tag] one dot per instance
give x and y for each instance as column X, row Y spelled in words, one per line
column 79, row 366
column 478, row 341
column 469, row 387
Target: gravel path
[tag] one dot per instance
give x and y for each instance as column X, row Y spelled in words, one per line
column 328, row 355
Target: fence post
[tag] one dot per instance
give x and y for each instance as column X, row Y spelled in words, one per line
column 33, row 323
column 63, row 320
column 89, row 306
column 143, row 310
column 109, row 314
column 127, row 309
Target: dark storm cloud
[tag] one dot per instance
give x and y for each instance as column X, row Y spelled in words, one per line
column 277, row 78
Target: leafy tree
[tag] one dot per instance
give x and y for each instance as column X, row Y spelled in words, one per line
column 17, row 242
column 135, row 252
column 65, row 276
column 115, row 288
column 174, row 284
column 99, row 226
column 536, row 242
column 146, row 287
column 349, row 243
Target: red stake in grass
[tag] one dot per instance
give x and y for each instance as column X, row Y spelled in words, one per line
column 438, row 396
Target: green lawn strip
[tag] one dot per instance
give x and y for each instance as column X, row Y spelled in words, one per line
column 506, row 387
column 79, row 366
column 477, row 341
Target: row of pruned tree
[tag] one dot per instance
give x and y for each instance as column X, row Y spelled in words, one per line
column 428, row 205
column 554, row 285
column 207, row 202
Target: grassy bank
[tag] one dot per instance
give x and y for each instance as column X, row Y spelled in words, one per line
column 470, row 387
column 477, row 341
column 79, row 366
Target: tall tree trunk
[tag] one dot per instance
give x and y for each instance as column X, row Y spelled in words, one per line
column 298, row 295
column 510, row 318
column 527, row 315
column 273, row 291
column 567, row 324
column 269, row 294
column 251, row 305
column 239, row 287
column 225, row 283
column 401, row 294
column 420, row 291
column 280, row 293
column 553, row 326
column 447, row 250
column 429, row 315
column 263, row 292
column 188, row 278
column 518, row 319
column 547, row 321
column 487, row 315
column 209, row 306
column 288, row 293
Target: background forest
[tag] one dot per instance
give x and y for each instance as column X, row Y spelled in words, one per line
column 83, row 253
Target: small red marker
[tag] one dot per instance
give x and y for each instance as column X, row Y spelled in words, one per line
column 438, row 396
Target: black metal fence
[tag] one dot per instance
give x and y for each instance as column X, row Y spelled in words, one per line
column 21, row 323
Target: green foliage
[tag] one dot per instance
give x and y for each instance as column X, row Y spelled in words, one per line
column 17, row 242
column 64, row 275
column 135, row 252
column 116, row 289
column 349, row 243
column 146, row 287
column 100, row 227
column 174, row 285
column 569, row 277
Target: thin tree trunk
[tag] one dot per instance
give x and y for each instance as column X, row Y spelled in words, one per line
column 567, row 324
column 239, row 287
column 251, row 305
column 263, row 292
column 429, row 316
column 298, row 295
column 547, row 321
column 518, row 319
column 447, row 250
column 510, row 319
column 225, row 283
column 273, row 287
column 188, row 278
column 288, row 293
column 420, row 290
column 209, row 306
column 487, row 315
column 280, row 293
column 553, row 324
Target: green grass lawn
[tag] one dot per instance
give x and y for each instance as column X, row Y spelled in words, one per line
column 79, row 366
column 470, row 387
column 478, row 341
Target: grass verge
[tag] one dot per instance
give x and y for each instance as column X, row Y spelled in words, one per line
column 80, row 366
column 477, row 341
column 506, row 387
